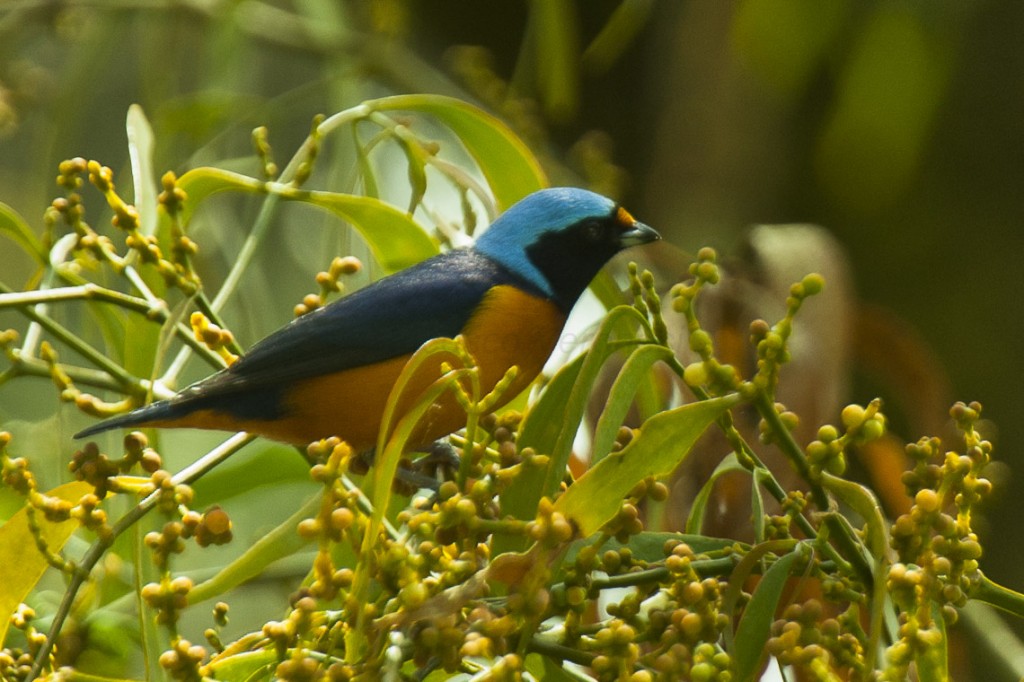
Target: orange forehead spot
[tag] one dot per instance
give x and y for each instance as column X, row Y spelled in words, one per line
column 623, row 216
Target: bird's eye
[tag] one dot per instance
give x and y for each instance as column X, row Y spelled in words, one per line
column 593, row 230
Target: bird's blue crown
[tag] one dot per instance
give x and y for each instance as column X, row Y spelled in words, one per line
column 549, row 210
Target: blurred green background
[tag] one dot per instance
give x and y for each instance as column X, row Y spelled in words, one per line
column 898, row 125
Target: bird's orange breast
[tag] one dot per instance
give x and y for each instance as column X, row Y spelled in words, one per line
column 510, row 327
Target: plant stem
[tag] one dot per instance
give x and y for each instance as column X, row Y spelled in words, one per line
column 848, row 544
column 26, row 302
column 10, row 298
column 1001, row 597
column 262, row 224
column 98, row 548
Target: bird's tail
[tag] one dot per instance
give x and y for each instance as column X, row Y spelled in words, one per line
column 162, row 411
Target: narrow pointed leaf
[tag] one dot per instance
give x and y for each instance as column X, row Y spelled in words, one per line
column 550, row 426
column 201, row 183
column 14, row 226
column 700, row 503
column 140, row 151
column 634, row 373
column 662, row 443
column 511, row 169
column 21, row 564
column 753, row 630
column 395, row 239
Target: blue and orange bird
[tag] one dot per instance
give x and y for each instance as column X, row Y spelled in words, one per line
column 329, row 373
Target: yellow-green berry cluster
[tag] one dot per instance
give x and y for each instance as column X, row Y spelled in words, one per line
column 818, row 646
column 647, row 301
column 168, row 598
column 220, row 620
column 15, row 661
column 828, row 451
column 937, row 548
column 778, row 526
column 706, row 375
column 176, row 273
column 182, row 660
column 261, row 143
column 214, row 337
column 329, row 282
column 337, row 519
column 773, row 341
column 684, row 626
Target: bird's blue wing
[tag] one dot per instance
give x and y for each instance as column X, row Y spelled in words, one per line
column 387, row 319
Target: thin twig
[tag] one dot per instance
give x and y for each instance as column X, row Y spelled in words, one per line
column 98, row 548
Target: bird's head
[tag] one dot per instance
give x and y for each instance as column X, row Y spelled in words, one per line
column 558, row 239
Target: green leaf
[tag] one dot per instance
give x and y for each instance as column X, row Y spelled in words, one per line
column 395, row 431
column 511, row 169
column 365, row 167
column 244, row 665
column 662, row 443
column 753, row 630
column 863, row 501
column 21, row 564
column 542, row 424
column 201, row 183
column 395, row 239
column 554, row 37
column 617, row 35
column 551, row 424
column 700, row 503
column 140, row 150
column 757, row 503
column 994, row 594
column 15, row 227
column 633, row 375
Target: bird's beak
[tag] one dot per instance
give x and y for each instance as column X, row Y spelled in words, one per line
column 638, row 234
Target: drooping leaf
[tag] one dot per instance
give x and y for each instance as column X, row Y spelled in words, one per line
column 753, row 630
column 140, row 151
column 662, row 443
column 244, row 665
column 201, row 183
column 550, row 426
column 21, row 564
column 634, row 373
column 395, row 239
column 14, row 226
column 510, row 167
column 695, row 521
